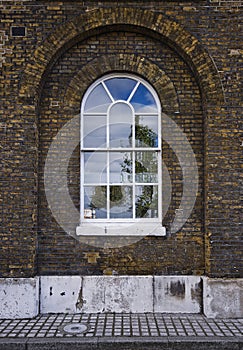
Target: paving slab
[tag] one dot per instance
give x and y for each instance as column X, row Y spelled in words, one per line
column 13, row 344
column 121, row 331
column 62, row 344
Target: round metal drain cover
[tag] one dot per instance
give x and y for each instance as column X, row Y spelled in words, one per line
column 75, row 328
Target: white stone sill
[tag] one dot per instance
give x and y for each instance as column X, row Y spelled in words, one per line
column 121, row 229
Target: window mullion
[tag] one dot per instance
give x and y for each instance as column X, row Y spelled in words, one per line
column 108, row 184
column 82, row 186
column 159, row 132
column 133, row 162
column 108, row 162
column 133, row 185
column 159, row 185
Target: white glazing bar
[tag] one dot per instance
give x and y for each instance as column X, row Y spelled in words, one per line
column 160, row 214
column 108, row 158
column 108, row 129
column 160, row 154
column 82, row 131
column 160, row 186
column 123, row 184
column 133, row 92
column 81, row 195
column 133, row 162
column 108, row 91
column 82, row 187
column 108, row 185
column 133, row 186
column 123, row 149
column 122, row 221
column 159, row 132
column 95, row 114
column 146, row 114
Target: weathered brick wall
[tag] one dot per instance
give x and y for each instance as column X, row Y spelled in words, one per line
column 180, row 253
column 213, row 231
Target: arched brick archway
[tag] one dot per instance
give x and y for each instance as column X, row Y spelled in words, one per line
column 102, row 20
column 131, row 63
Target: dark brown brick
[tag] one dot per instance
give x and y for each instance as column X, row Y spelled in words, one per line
column 191, row 54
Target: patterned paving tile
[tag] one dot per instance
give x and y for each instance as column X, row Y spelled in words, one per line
column 129, row 325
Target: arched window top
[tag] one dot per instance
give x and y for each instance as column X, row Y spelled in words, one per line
column 126, row 105
column 120, row 87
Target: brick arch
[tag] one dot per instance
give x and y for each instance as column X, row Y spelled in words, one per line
column 134, row 19
column 122, row 62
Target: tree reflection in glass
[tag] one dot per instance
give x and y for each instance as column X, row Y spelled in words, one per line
column 95, row 202
column 121, row 202
column 146, row 134
column 146, row 203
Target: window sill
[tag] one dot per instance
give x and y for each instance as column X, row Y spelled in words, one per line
column 121, row 229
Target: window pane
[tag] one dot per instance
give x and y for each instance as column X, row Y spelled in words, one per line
column 146, row 167
column 143, row 101
column 98, row 101
column 95, row 202
column 120, row 88
column 120, row 167
column 146, row 131
column 121, row 202
column 94, row 131
column 146, row 201
column 119, row 150
column 121, row 120
column 95, row 167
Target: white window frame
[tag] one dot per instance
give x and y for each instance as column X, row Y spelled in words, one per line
column 129, row 226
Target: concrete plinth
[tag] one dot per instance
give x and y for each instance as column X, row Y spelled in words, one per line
column 223, row 298
column 94, row 294
column 60, row 294
column 177, row 294
column 19, row 297
column 118, row 294
column 26, row 297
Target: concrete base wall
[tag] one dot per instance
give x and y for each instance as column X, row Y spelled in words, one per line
column 121, row 294
column 223, row 298
column 19, row 297
column 26, row 297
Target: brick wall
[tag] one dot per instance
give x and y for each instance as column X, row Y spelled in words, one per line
column 179, row 253
column 40, row 93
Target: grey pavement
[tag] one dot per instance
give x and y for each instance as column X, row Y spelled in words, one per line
column 121, row 331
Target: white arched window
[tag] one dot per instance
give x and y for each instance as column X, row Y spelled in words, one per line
column 120, row 158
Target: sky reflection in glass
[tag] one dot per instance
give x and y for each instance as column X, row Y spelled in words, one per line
column 98, row 101
column 95, row 167
column 143, row 101
column 121, row 120
column 94, row 130
column 120, row 88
